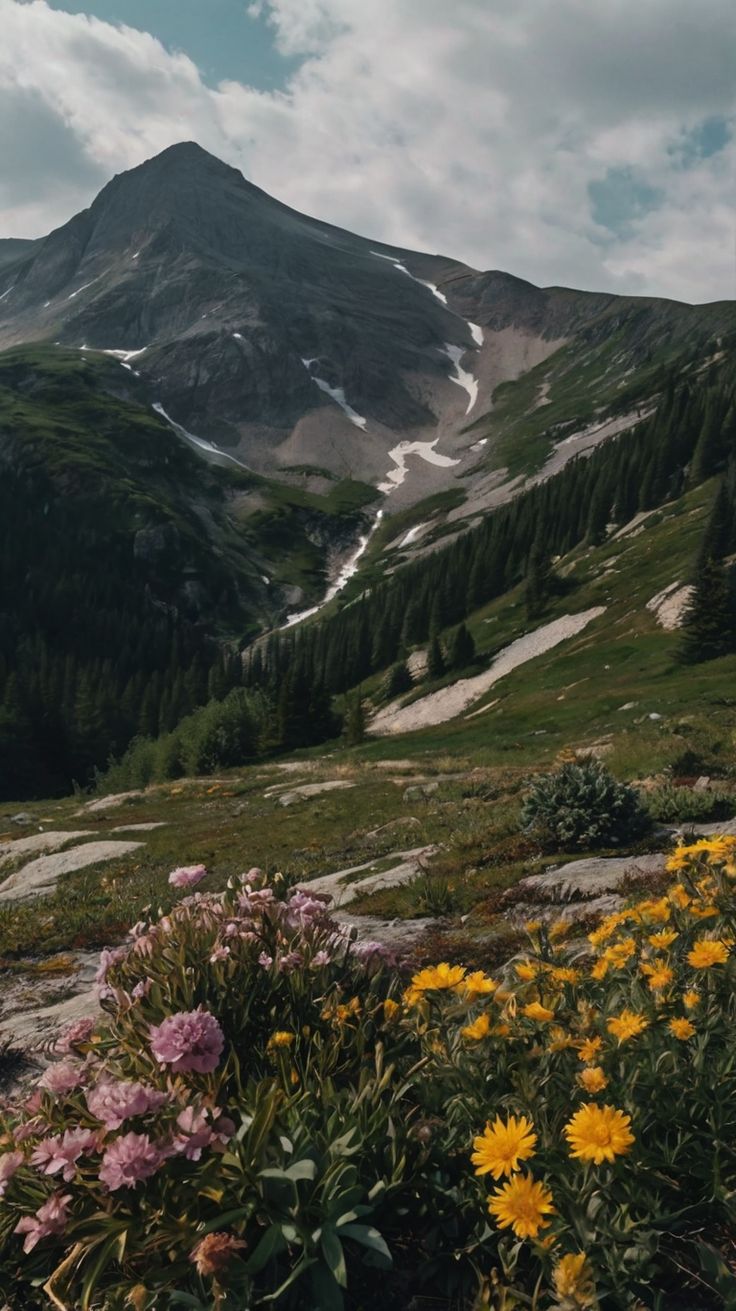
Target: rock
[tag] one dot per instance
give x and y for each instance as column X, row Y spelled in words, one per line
column 49, row 841
column 420, row 790
column 410, row 821
column 39, row 879
column 653, row 715
column 717, row 828
column 344, row 887
column 109, row 803
column 572, row 911
column 30, row 1026
column 701, row 784
column 22, row 819
column 589, row 877
column 399, row 935
column 310, row 790
column 629, row 705
column 140, row 828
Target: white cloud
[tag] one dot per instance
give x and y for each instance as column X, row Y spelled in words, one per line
column 474, row 130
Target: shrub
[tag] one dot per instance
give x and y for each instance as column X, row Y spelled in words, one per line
column 582, row 806
column 264, row 1118
column 674, row 805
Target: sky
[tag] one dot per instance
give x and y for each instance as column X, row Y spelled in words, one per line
column 585, row 143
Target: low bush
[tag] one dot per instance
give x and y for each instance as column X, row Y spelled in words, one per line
column 267, row 1115
column 582, row 806
column 680, row 805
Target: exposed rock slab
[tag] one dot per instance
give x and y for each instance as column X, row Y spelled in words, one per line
column 344, row 887
column 398, row 935
column 109, row 803
column 32, row 1027
column 311, row 790
column 39, row 878
column 140, row 828
column 716, row 828
column 590, row 877
column 50, row 841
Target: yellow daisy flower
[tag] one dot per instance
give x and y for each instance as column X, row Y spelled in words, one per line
column 662, row 940
column 564, row 974
column 690, row 999
column 438, row 977
column 679, row 896
column 526, row 970
column 681, row 1028
column 628, row 1024
column 706, row 952
column 391, row 1009
column 592, row 1079
column 522, row 1205
column 599, row 970
column 535, row 1011
column 477, row 984
column 281, row 1038
column 658, row 975
column 572, row 1278
column 619, row 953
column 480, row 1028
column 500, row 1148
column 589, row 1049
column 598, row 1133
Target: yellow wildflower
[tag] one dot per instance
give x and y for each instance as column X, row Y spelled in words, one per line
column 533, row 926
column 535, row 1011
column 681, row 1028
column 391, row 1009
column 599, row 970
column 438, row 977
column 281, row 1038
column 558, row 929
column 500, row 1148
column 715, row 850
column 658, row 975
column 703, row 912
column 592, row 1079
column 626, row 1025
column 662, row 940
column 477, row 984
column 619, row 953
column 589, row 1049
column 559, row 1039
column 679, row 896
column 480, row 1028
column 501, row 1030
column 527, row 970
column 598, row 1133
column 572, row 1278
column 707, row 952
column 522, row 1204
column 564, row 974
column 690, row 999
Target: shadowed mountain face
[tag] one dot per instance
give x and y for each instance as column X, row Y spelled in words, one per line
column 292, row 343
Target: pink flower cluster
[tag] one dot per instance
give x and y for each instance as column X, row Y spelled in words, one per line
column 48, row 1222
column 189, row 1040
column 59, row 1155
column 74, row 1034
column 187, row 876
column 129, row 1160
column 9, row 1163
column 113, row 1101
column 62, row 1078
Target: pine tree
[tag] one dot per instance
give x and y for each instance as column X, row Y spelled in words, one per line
column 709, row 623
column 538, row 581
column 435, row 659
column 462, row 648
column 399, row 680
column 355, row 723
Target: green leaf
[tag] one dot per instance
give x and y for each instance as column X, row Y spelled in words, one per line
column 334, row 1255
column 103, row 1258
column 368, row 1237
column 272, row 1241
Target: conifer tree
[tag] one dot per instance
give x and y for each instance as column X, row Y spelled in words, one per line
column 355, row 722
column 436, row 666
column 462, row 648
column 708, row 626
column 399, row 680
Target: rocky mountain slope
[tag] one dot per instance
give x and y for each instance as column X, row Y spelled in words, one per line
column 288, row 343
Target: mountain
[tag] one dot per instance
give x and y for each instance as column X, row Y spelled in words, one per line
column 287, row 342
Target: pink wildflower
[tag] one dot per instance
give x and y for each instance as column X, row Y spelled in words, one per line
column 265, row 961
column 48, row 1222
column 141, row 990
column 195, row 1135
column 128, row 1160
column 187, row 876
column 190, row 1040
column 114, row 1102
column 9, row 1163
column 31, row 1129
column 220, row 953
column 73, row 1034
column 321, row 958
column 62, row 1078
column 59, row 1155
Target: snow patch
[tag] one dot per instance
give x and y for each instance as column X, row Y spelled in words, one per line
column 448, row 702
column 124, row 356
column 425, row 450
column 478, row 446
column 7, row 293
column 669, row 605
column 197, row 441
column 84, row 287
column 431, row 286
column 343, row 578
column 476, row 333
column 135, row 256
column 238, row 336
column 461, row 376
column 337, row 395
column 412, row 534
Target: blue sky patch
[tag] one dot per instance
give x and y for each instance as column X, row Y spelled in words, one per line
column 620, row 198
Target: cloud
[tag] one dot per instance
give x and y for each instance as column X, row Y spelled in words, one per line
column 568, row 142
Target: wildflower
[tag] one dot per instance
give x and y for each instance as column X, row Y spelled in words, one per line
column 592, row 1079
column 281, row 1038
column 438, row 977
column 128, row 1160
column 113, row 1101
column 598, row 1133
column 559, row 1039
column 521, row 1204
column 480, row 1028
column 535, row 1011
column 679, row 896
column 196, row 1133
column 478, row 984
column 658, row 975
column 212, row 1254
column 660, row 941
column 391, row 1009
column 533, row 926
column 527, row 970
column 572, row 1278
column 558, row 929
column 500, row 1148
column 189, row 1040
column 681, row 1028
column 589, row 1049
column 9, row 1163
column 707, row 952
column 690, row 999
column 62, row 1078
column 265, row 961
column 372, row 955
column 599, row 970
column 48, row 1222
column 219, row 953
column 619, row 953
column 187, row 876
column 59, row 1155
column 628, row 1024
column 564, row 974
column 74, row 1034
column 715, row 850
column 320, row 958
